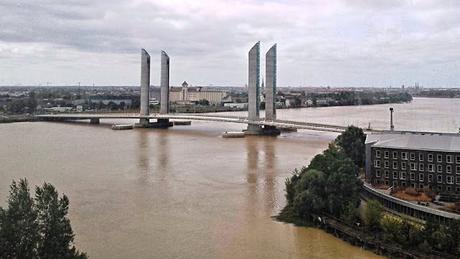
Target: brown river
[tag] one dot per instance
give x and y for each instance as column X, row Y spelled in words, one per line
column 186, row 192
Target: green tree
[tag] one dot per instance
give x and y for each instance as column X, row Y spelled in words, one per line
column 329, row 184
column 352, row 143
column 18, row 225
column 392, row 228
column 56, row 233
column 203, row 102
column 36, row 228
column 373, row 214
column 350, row 214
column 309, row 191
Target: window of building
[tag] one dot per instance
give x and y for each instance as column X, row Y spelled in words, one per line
column 395, row 175
column 439, row 167
column 457, row 179
column 395, row 155
column 395, row 165
column 386, row 164
column 413, row 166
column 387, row 174
column 458, row 159
column 403, row 166
column 420, row 186
column 430, row 168
column 439, row 188
column 420, row 156
column 448, row 188
column 377, row 163
column 403, row 175
column 412, row 156
column 403, row 184
column 387, row 182
column 386, row 154
column 420, row 177
column 377, row 173
column 421, row 167
column 404, row 155
column 448, row 169
column 430, row 178
column 457, row 169
column 450, row 179
column 412, row 185
column 439, row 158
column 439, row 178
column 449, row 159
column 430, row 157
column 377, row 153
column 412, row 176
column 457, row 189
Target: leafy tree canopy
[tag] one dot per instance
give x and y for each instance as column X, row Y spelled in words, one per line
column 36, row 228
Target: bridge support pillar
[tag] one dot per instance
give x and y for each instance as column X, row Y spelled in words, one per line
column 271, row 131
column 94, row 121
column 159, row 124
column 270, row 80
column 145, row 88
column 253, row 130
column 144, row 122
column 163, row 123
column 164, row 83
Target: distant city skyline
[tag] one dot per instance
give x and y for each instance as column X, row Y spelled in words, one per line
column 340, row 43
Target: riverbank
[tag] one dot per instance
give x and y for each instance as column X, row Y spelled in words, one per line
column 16, row 118
column 358, row 236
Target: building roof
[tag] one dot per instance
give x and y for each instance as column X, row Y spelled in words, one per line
column 416, row 141
column 195, row 89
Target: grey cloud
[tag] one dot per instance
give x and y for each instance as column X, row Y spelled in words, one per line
column 211, row 38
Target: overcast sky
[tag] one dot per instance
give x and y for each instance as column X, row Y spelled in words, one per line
column 320, row 42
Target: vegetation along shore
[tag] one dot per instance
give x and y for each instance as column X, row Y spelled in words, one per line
column 326, row 194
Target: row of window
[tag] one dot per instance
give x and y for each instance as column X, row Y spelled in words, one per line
column 421, row 177
column 420, row 185
column 416, row 167
column 421, row 156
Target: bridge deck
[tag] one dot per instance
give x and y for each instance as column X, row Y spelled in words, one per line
column 200, row 117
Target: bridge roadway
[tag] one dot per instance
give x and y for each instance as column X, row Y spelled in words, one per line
column 281, row 124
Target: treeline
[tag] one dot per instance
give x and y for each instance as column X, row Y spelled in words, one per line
column 358, row 98
column 36, row 227
column 329, row 188
column 330, row 184
column 444, row 239
column 435, row 93
column 19, row 105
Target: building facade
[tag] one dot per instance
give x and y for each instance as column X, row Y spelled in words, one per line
column 187, row 95
column 414, row 160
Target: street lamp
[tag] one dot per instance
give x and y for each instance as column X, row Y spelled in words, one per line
column 392, row 127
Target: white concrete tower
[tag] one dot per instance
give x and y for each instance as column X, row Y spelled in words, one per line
column 164, row 85
column 145, row 85
column 254, row 87
column 270, row 89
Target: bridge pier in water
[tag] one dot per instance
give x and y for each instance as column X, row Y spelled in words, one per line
column 94, row 121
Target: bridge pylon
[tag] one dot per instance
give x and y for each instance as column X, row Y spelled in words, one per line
column 144, row 121
column 254, row 90
column 145, row 87
column 270, row 91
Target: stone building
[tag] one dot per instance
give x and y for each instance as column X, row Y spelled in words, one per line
column 187, row 95
column 418, row 160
